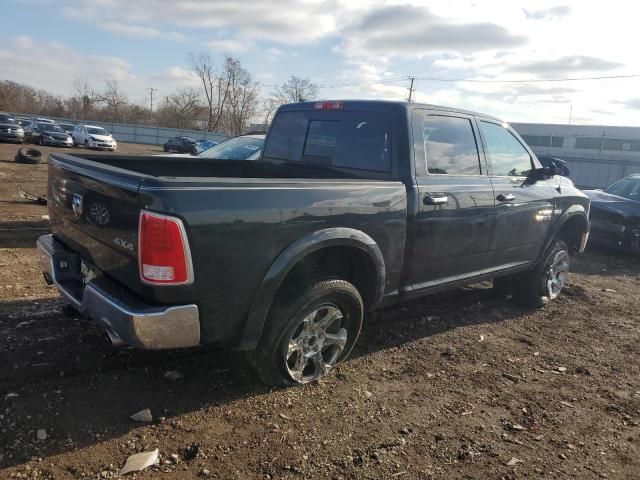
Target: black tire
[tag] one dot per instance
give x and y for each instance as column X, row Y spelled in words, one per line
column 31, row 156
column 165, row 148
column 536, row 287
column 86, row 144
column 270, row 359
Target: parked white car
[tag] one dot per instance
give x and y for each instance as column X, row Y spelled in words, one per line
column 93, row 137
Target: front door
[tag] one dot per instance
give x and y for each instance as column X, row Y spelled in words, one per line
column 450, row 233
column 524, row 209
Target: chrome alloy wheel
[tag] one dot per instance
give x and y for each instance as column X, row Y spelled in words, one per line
column 316, row 344
column 557, row 273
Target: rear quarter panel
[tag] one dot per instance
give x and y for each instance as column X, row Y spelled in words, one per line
column 238, row 228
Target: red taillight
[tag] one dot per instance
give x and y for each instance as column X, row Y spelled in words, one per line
column 328, row 105
column 163, row 250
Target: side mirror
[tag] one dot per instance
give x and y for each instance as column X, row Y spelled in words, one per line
column 542, row 173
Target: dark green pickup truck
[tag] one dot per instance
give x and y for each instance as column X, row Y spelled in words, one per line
column 353, row 205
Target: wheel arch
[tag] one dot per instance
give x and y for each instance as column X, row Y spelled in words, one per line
column 570, row 227
column 331, row 243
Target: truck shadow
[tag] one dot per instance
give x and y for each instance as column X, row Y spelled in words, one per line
column 57, row 371
column 22, row 234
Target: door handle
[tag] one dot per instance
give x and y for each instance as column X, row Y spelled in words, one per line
column 435, row 199
column 505, row 197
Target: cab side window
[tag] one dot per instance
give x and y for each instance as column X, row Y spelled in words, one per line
column 446, row 144
column 507, row 156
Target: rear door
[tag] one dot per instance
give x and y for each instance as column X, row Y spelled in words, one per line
column 524, row 210
column 452, row 227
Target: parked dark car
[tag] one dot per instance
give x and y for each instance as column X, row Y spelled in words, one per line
column 181, row 145
column 554, row 162
column 67, row 127
column 615, row 214
column 10, row 130
column 352, row 206
column 51, row 134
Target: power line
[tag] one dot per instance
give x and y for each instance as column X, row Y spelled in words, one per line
column 404, row 78
column 536, row 80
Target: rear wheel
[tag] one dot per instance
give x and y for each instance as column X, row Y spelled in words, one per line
column 545, row 282
column 86, row 144
column 308, row 332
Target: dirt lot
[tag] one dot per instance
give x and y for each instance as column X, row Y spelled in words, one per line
column 458, row 385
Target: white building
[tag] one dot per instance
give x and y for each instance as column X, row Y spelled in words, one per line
column 596, row 155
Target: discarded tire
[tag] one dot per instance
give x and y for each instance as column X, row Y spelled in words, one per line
column 29, row 155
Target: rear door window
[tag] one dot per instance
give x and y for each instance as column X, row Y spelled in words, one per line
column 449, row 144
column 345, row 139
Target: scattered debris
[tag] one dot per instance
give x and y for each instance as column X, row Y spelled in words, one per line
column 481, row 338
column 513, row 378
column 514, row 461
column 368, row 394
column 41, row 435
column 11, row 395
column 140, row 461
column 562, row 456
column 173, row 375
column 142, row 416
column 32, row 197
column 609, row 290
column 566, row 404
column 561, row 369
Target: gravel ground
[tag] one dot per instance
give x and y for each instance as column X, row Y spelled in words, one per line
column 456, row 385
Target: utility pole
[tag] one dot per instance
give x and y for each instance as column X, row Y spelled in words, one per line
column 151, row 90
column 411, row 89
column 570, row 113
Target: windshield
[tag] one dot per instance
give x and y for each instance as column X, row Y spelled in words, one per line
column 6, row 118
column 628, row 188
column 238, row 148
column 47, row 127
column 97, row 131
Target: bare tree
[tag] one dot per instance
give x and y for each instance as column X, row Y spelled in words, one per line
column 215, row 85
column 114, row 100
column 82, row 103
column 243, row 96
column 294, row 90
column 180, row 108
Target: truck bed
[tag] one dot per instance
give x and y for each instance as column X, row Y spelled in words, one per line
column 171, row 167
column 239, row 217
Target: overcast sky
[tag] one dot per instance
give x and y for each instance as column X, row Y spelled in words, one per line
column 348, row 47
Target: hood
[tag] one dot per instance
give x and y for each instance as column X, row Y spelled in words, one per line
column 612, row 203
column 101, row 138
column 57, row 135
column 183, row 155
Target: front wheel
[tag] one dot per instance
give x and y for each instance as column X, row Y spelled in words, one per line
column 308, row 332
column 545, row 282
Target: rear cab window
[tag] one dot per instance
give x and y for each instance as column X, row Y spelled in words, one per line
column 357, row 141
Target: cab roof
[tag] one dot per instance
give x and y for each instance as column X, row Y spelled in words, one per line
column 382, row 105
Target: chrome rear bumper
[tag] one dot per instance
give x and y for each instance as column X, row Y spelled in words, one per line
column 126, row 319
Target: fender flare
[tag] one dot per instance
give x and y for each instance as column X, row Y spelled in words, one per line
column 572, row 212
column 312, row 242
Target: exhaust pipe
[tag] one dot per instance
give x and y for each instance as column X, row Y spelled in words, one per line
column 113, row 337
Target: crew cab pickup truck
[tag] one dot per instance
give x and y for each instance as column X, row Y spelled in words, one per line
column 353, row 206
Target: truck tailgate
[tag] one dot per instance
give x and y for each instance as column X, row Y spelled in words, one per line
column 94, row 209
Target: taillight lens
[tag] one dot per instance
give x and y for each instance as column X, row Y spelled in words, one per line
column 163, row 251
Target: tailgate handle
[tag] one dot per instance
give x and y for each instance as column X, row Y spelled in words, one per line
column 435, row 199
